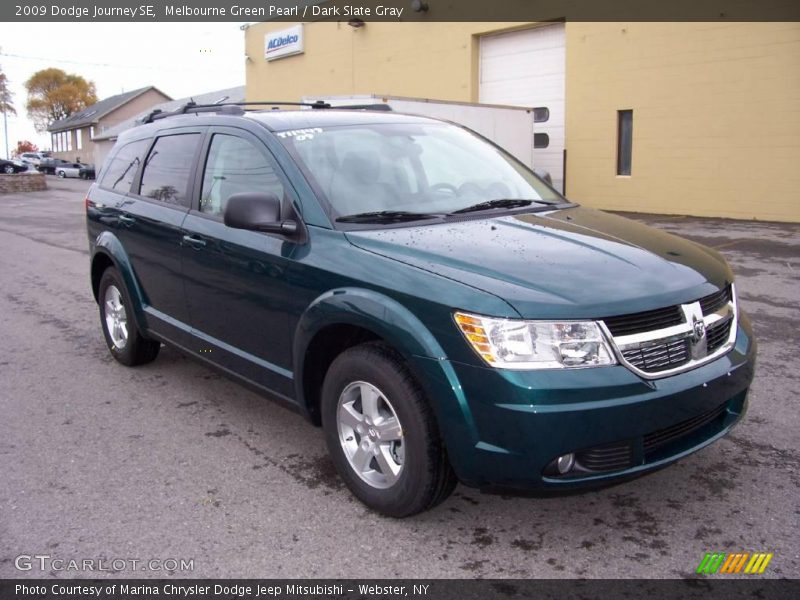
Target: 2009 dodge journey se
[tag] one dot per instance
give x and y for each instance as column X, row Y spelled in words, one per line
column 443, row 313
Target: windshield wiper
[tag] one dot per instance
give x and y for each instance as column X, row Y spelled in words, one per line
column 501, row 203
column 386, row 216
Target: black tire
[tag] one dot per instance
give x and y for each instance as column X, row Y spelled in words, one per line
column 426, row 478
column 8, row 169
column 136, row 350
column 61, row 174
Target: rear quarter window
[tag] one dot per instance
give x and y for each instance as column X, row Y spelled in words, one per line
column 118, row 174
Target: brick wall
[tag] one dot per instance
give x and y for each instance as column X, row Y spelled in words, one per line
column 22, row 182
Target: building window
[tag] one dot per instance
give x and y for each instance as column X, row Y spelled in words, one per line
column 541, row 140
column 69, row 141
column 624, row 141
column 79, row 139
column 91, row 132
column 541, row 114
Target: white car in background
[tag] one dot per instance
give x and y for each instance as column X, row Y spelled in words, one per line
column 33, row 158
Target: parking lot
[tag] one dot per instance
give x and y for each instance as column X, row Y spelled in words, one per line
column 172, row 460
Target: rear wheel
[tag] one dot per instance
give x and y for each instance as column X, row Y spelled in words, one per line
column 124, row 340
column 381, row 433
column 62, row 174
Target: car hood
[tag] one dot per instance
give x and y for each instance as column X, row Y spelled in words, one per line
column 570, row 263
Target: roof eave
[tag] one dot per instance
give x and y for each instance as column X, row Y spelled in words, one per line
column 79, row 125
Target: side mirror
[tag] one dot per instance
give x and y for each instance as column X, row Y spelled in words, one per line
column 544, row 176
column 258, row 212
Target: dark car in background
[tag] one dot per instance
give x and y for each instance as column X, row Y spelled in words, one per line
column 441, row 312
column 10, row 167
column 86, row 172
column 50, row 165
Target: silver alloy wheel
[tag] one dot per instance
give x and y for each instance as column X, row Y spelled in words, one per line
column 116, row 317
column 370, row 434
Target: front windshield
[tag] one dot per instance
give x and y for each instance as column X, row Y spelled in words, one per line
column 418, row 168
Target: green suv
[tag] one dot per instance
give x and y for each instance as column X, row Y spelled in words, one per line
column 439, row 310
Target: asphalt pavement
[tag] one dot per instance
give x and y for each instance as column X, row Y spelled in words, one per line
column 173, row 461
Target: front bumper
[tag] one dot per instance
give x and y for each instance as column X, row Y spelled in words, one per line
column 504, row 428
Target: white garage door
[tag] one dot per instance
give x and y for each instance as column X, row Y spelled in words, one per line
column 526, row 68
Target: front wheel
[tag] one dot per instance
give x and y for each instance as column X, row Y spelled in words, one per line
column 124, row 340
column 381, row 433
column 8, row 170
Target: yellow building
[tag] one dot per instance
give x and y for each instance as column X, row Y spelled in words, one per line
column 713, row 108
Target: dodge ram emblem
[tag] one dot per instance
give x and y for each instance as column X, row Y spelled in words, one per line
column 698, row 331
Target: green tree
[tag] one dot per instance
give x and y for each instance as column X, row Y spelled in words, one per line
column 54, row 94
column 6, row 96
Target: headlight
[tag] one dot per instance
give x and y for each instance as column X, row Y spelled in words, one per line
column 517, row 344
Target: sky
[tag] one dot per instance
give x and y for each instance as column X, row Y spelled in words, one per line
column 180, row 59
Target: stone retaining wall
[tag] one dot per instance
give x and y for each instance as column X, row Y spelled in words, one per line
column 22, row 182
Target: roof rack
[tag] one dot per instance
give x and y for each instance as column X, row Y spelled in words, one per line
column 237, row 108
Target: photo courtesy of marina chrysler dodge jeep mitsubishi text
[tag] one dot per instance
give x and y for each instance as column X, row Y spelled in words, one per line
column 439, row 310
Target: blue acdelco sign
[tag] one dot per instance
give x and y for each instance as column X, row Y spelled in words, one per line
column 286, row 42
column 276, row 43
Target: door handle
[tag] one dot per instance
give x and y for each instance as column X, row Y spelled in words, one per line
column 193, row 241
column 126, row 220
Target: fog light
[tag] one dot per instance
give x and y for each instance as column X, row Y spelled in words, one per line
column 565, row 463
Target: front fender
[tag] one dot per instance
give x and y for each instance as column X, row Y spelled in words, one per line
column 108, row 245
column 371, row 310
column 401, row 329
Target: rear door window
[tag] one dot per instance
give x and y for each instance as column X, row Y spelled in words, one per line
column 168, row 169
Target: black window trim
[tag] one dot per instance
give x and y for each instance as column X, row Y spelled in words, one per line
column 136, row 187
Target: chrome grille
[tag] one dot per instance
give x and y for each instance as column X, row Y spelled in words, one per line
column 659, row 357
column 713, row 302
column 669, row 340
column 717, row 334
